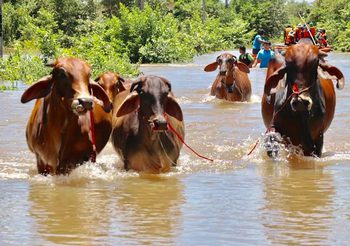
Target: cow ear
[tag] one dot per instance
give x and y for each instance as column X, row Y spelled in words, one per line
column 173, row 109
column 243, row 67
column 273, row 79
column 330, row 72
column 40, row 89
column 211, row 67
column 101, row 94
column 130, row 104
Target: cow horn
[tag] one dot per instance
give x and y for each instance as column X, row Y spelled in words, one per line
column 322, row 55
column 136, row 85
column 121, row 79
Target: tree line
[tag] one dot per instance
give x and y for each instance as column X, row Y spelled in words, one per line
column 119, row 34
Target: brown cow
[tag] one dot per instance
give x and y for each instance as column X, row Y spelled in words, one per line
column 112, row 83
column 232, row 82
column 140, row 133
column 299, row 97
column 58, row 130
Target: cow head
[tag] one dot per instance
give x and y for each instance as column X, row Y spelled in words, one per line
column 304, row 66
column 227, row 64
column 152, row 96
column 112, row 83
column 69, row 82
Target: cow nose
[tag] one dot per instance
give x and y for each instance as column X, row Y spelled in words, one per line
column 160, row 125
column 86, row 102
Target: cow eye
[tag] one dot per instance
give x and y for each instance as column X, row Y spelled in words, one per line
column 220, row 60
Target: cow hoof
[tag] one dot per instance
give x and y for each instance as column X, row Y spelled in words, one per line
column 272, row 144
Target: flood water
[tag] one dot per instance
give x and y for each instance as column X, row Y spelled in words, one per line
column 236, row 200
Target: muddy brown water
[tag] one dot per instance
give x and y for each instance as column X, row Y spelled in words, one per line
column 237, row 200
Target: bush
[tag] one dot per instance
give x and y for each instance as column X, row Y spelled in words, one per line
column 22, row 66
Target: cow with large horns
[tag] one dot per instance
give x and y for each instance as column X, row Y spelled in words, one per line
column 232, row 82
column 299, row 98
column 59, row 128
column 144, row 114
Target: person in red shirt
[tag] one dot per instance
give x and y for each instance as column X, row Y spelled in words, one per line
column 298, row 32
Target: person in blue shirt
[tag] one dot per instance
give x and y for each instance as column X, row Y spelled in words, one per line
column 258, row 40
column 264, row 56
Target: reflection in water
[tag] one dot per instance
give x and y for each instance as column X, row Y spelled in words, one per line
column 298, row 204
column 148, row 210
column 137, row 211
column 68, row 215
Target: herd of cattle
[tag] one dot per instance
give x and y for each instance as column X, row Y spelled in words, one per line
column 74, row 116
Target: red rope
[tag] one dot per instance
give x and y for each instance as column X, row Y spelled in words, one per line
column 93, row 137
column 183, row 141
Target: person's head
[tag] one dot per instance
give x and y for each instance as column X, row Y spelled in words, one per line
column 261, row 32
column 242, row 49
column 288, row 26
column 299, row 26
column 267, row 46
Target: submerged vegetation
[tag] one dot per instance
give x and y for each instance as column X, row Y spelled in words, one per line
column 119, row 34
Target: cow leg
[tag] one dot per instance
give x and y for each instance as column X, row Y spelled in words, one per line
column 319, row 145
column 308, row 142
column 126, row 164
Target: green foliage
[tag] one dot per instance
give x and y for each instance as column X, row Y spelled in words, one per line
column 22, row 66
column 113, row 34
column 269, row 15
column 336, row 21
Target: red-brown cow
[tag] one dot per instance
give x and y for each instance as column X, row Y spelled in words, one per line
column 59, row 128
column 299, row 97
column 232, row 82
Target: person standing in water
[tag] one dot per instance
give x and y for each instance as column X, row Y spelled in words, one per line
column 264, row 56
column 244, row 57
column 258, row 40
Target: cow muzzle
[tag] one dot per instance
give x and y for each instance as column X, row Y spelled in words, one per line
column 301, row 103
column 159, row 124
column 82, row 104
